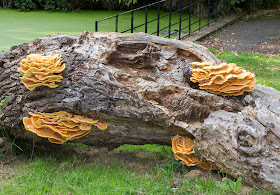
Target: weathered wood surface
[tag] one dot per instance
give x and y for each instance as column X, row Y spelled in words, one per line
column 246, row 143
column 139, row 86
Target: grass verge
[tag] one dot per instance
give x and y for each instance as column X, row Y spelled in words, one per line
column 125, row 170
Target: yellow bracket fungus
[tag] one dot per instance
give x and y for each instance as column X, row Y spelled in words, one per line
column 224, row 79
column 59, row 127
column 182, row 148
column 41, row 70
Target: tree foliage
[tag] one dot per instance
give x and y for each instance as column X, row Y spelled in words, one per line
column 128, row 2
column 64, row 5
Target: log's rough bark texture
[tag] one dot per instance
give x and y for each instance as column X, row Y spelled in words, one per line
column 246, row 143
column 139, row 86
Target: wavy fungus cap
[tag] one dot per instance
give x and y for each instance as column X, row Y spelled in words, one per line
column 41, row 70
column 59, row 127
column 224, row 79
column 182, row 148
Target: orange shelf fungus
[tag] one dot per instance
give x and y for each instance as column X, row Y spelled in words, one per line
column 59, row 127
column 41, row 70
column 224, row 79
column 182, row 148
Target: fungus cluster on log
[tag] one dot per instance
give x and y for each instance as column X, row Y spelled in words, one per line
column 41, row 70
column 223, row 79
column 59, row 127
column 182, row 148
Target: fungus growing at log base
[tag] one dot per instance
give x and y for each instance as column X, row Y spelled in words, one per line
column 224, row 79
column 41, row 70
column 59, row 127
column 182, row 147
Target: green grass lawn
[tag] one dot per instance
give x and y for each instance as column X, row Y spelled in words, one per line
column 19, row 27
column 122, row 171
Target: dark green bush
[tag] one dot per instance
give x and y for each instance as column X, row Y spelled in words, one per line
column 253, row 5
column 64, row 5
column 25, row 5
column 52, row 5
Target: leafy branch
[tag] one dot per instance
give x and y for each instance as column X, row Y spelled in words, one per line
column 128, row 2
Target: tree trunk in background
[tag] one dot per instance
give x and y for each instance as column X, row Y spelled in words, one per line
column 139, row 85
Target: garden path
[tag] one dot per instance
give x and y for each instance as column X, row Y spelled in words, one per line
column 260, row 33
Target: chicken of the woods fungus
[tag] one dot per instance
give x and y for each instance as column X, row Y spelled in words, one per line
column 223, row 79
column 182, row 147
column 59, row 127
column 41, row 70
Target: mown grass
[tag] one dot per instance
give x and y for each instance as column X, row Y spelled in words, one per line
column 50, row 177
column 70, row 174
column 22, row 27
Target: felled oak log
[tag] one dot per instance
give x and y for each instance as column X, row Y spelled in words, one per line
column 139, row 86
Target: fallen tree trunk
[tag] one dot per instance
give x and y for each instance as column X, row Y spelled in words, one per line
column 139, row 85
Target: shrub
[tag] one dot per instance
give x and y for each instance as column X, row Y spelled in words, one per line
column 25, row 5
column 52, row 5
column 253, row 5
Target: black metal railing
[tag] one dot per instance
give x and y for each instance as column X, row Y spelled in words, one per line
column 185, row 24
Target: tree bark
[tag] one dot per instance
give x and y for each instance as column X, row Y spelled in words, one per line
column 246, row 143
column 139, row 85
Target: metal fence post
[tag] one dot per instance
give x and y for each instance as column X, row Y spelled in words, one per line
column 229, row 7
column 224, row 7
column 96, row 26
column 146, row 19
column 117, row 23
column 208, row 10
column 158, row 19
column 199, row 15
column 180, row 20
column 170, row 12
column 216, row 11
column 131, row 22
column 190, row 16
